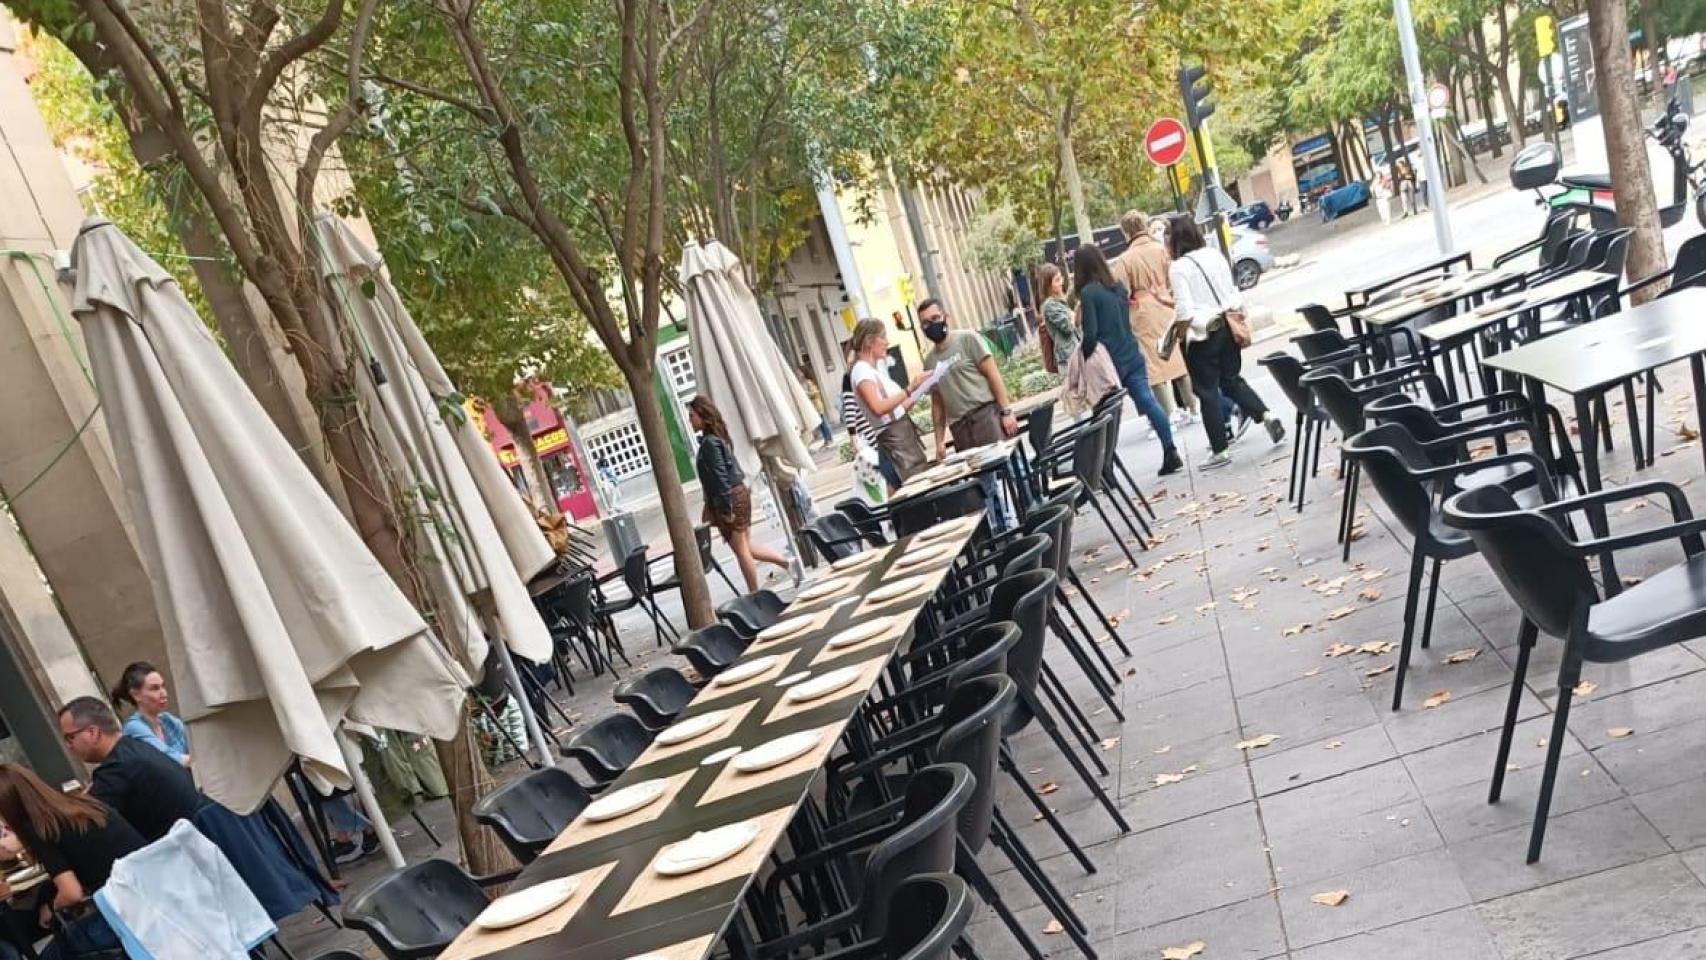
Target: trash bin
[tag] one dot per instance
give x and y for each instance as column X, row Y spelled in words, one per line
column 622, row 535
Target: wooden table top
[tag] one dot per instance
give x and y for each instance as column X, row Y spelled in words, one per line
column 943, row 474
column 1497, row 311
column 624, row 908
column 1423, row 300
column 1612, row 349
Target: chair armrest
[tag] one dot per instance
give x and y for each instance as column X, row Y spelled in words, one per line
column 502, row 876
column 1470, row 466
column 1687, row 531
column 1673, row 494
column 1646, row 282
column 1518, row 251
column 1486, row 431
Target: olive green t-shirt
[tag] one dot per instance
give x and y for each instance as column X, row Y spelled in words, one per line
column 963, row 388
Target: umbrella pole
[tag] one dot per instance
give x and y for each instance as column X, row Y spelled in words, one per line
column 512, row 676
column 369, row 803
column 795, row 568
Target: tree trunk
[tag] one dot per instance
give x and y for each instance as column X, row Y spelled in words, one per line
column 1625, row 141
column 695, row 591
column 1655, row 50
column 466, row 776
column 1484, row 93
column 513, row 415
column 1075, row 187
column 1502, row 76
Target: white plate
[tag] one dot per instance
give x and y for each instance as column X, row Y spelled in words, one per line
column 927, row 555
column 937, row 532
column 786, row 627
column 624, row 801
column 869, row 630
column 706, row 848
column 822, row 686
column 776, row 752
column 691, row 728
column 745, row 670
column 889, row 591
column 793, row 678
column 530, row 904
column 857, row 561
column 719, row 756
column 821, row 589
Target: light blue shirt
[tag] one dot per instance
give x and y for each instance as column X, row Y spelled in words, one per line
column 177, row 740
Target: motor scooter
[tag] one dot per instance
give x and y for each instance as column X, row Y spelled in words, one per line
column 1537, row 166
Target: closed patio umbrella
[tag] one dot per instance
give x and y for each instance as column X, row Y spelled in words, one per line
column 738, row 365
column 476, row 527
column 278, row 622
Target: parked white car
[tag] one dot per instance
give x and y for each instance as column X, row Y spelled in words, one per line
column 1250, row 257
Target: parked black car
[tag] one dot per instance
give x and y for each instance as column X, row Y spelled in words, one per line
column 1256, row 216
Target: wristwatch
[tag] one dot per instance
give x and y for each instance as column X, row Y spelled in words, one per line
column 1004, row 411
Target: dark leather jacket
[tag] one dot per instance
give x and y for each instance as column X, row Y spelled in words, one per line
column 719, row 472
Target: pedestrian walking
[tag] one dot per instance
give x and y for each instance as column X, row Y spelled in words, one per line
column 1407, row 187
column 1142, row 267
column 728, row 500
column 816, row 397
column 1381, row 191
column 1209, row 305
column 1105, row 318
column 1083, row 381
column 883, row 401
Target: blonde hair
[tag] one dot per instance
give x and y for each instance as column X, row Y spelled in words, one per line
column 1133, row 223
column 864, row 331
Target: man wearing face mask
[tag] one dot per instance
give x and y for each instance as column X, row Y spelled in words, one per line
column 970, row 401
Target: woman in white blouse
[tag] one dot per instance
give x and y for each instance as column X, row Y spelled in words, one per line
column 1203, row 291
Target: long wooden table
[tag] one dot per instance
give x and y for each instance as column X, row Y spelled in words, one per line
column 624, row 908
column 1361, row 294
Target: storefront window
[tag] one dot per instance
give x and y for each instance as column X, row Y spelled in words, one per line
column 565, row 479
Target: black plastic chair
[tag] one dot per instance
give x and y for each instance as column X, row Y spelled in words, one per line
column 590, row 622
column 608, row 746
column 655, row 696
column 637, row 577
column 1687, row 270
column 1551, row 239
column 1543, row 565
column 834, row 536
column 914, row 834
column 527, row 813
column 927, row 914
column 949, row 502
column 1087, row 463
column 1409, row 476
column 707, row 560
column 417, row 911
column 340, row 955
column 711, row 648
column 868, row 520
column 749, row 613
column 1309, row 423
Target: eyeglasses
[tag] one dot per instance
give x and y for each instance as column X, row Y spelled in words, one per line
column 72, row 735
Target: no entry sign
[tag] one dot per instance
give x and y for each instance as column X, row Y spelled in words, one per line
column 1165, row 142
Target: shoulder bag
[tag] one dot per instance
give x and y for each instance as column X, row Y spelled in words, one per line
column 1236, row 323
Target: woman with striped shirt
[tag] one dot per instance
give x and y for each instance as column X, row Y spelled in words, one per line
column 860, row 433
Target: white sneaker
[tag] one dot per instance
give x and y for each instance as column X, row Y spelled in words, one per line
column 1217, row 460
column 1192, row 417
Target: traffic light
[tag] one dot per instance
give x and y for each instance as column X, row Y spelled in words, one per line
column 1195, row 89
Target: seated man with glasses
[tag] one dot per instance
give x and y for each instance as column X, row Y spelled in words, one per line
column 146, row 787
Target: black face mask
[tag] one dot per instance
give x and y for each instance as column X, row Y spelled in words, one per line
column 936, row 330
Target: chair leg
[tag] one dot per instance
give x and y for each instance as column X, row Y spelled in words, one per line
column 1320, row 433
column 1002, row 835
column 1075, row 647
column 1433, row 594
column 1095, row 608
column 1125, row 510
column 1044, row 810
column 1296, row 458
column 1525, row 638
column 1417, row 562
column 1046, row 720
column 1642, row 457
column 1118, row 540
column 1136, row 488
column 1569, row 674
column 966, row 865
column 1351, row 509
column 1058, row 703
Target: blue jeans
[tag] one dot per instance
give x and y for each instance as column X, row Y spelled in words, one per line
column 84, row 937
column 1137, row 384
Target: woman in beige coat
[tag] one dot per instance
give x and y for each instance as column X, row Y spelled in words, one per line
column 1142, row 267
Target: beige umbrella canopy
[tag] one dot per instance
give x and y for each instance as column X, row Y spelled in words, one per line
column 278, row 622
column 476, row 524
column 738, row 365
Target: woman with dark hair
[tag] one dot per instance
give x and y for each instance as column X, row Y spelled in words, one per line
column 728, row 500
column 76, row 839
column 1203, row 294
column 141, row 686
column 1106, row 320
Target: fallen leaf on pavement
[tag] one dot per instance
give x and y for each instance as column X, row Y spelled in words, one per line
column 1339, row 650
column 1585, row 688
column 1377, row 671
column 1437, row 699
column 1053, row 927
column 1205, row 607
column 1118, row 617
column 1376, row 647
column 1631, row 581
column 1463, row 656
column 1618, row 733
column 1160, row 750
column 1687, row 432
column 1339, row 613
column 1256, row 742
column 1331, row 898
column 1169, row 618
column 1110, row 742
column 1334, row 744
column 1312, row 671
column 1048, row 787
column 1374, row 575
column 1185, row 952
column 1369, row 594
column 1294, row 629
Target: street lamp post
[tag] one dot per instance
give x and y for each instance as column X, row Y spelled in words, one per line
column 1424, row 125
